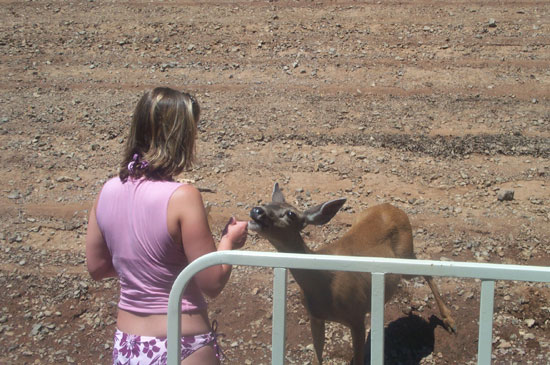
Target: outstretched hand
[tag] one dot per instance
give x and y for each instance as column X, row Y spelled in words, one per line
column 236, row 232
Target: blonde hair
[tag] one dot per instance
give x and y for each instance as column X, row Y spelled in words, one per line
column 161, row 143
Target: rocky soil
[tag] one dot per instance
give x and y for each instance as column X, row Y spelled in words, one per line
column 441, row 108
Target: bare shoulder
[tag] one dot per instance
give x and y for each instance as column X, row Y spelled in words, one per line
column 186, row 192
column 186, row 197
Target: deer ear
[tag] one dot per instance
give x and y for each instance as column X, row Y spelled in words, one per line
column 323, row 213
column 277, row 196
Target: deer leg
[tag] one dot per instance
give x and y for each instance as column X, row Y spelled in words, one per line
column 358, row 336
column 445, row 312
column 318, row 333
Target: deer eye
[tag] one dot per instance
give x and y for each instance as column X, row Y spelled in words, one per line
column 290, row 214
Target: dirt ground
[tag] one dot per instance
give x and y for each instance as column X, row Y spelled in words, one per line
column 437, row 107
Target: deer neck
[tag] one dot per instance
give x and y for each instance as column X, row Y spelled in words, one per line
column 316, row 288
column 294, row 244
column 314, row 283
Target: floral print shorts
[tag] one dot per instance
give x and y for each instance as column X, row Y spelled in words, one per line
column 146, row 350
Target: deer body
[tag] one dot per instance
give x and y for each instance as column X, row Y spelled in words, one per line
column 340, row 296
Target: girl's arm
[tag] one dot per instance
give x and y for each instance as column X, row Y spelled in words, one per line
column 98, row 257
column 187, row 207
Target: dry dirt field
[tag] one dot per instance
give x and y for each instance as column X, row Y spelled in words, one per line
column 435, row 106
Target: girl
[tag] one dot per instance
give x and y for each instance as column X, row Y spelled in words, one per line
column 145, row 228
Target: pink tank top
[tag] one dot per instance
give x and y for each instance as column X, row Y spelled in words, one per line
column 133, row 219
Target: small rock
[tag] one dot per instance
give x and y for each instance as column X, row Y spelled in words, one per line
column 16, row 237
column 62, row 179
column 530, row 322
column 36, row 329
column 492, row 23
column 505, row 195
column 14, row 195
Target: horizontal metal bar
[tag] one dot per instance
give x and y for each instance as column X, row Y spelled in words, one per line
column 375, row 264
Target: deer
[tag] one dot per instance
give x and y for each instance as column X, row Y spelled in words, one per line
column 339, row 296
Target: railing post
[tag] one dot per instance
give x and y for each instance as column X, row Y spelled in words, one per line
column 377, row 319
column 485, row 341
column 278, row 334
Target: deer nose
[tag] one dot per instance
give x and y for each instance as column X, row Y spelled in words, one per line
column 257, row 213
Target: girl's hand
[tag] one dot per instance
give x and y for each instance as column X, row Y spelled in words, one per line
column 236, row 232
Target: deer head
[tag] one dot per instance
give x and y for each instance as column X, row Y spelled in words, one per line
column 281, row 223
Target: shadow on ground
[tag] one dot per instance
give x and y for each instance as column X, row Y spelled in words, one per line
column 407, row 340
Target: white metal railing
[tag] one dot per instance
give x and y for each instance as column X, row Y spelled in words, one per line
column 488, row 273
